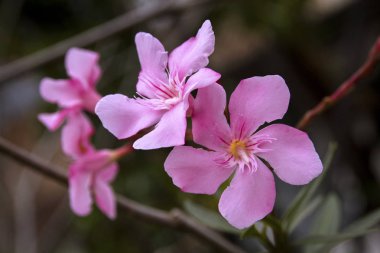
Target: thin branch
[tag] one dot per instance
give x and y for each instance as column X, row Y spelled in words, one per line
column 368, row 66
column 32, row 161
column 175, row 219
column 98, row 33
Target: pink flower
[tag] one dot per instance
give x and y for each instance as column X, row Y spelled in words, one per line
column 92, row 171
column 241, row 148
column 164, row 87
column 76, row 93
column 89, row 177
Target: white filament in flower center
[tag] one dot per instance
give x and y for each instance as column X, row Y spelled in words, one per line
column 241, row 153
column 165, row 94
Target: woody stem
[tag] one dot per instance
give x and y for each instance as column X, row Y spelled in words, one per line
column 366, row 69
column 175, row 218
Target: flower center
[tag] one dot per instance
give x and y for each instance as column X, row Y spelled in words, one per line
column 165, row 94
column 244, row 153
column 238, row 149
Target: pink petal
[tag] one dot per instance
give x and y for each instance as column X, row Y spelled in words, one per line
column 152, row 55
column 53, row 120
column 109, row 173
column 76, row 135
column 193, row 54
column 124, row 117
column 153, row 59
column 195, row 170
column 105, row 198
column 95, row 75
column 82, row 65
column 249, row 198
column 95, row 161
column 170, row 131
column 292, row 155
column 203, row 78
column 210, row 127
column 79, row 189
column 90, row 99
column 63, row 92
column 257, row 100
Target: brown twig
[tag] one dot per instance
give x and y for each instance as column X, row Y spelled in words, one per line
column 175, row 219
column 93, row 35
column 344, row 88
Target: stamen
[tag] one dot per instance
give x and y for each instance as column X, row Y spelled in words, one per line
column 242, row 152
column 166, row 94
column 161, row 91
column 237, row 148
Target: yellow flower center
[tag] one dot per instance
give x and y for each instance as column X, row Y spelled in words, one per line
column 238, row 149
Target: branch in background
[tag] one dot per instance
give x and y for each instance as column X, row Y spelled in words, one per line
column 175, row 219
column 368, row 66
column 93, row 35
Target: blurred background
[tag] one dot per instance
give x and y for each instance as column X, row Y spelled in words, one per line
column 313, row 44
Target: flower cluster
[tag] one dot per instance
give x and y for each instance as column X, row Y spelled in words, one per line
column 92, row 170
column 243, row 146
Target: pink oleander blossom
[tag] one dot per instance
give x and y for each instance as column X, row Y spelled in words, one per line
column 92, row 171
column 241, row 147
column 163, row 89
column 89, row 179
column 76, row 93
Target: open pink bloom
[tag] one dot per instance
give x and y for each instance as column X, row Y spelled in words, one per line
column 78, row 92
column 164, row 87
column 241, row 148
column 89, row 177
column 92, row 171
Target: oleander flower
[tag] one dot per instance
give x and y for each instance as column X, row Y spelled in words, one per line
column 92, row 171
column 76, row 93
column 89, row 178
column 163, row 89
column 243, row 149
